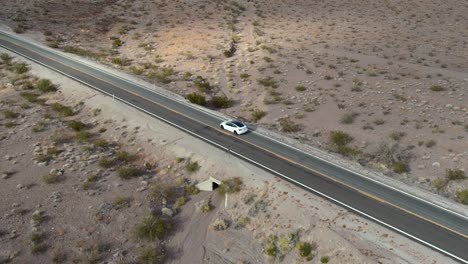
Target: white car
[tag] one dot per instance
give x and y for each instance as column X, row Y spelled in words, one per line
column 234, row 126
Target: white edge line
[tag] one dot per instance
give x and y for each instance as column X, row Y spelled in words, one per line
column 364, row 176
column 105, row 71
column 252, row 161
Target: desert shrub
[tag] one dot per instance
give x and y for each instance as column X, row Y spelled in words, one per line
column 324, row 259
column 76, row 125
column 82, row 52
column 269, row 246
column 128, row 172
column 202, row 84
column 121, row 61
column 123, row 156
column 196, row 98
column 257, row 115
column 6, row 58
column 430, row 143
column 286, row 242
column 116, row 43
column 244, row 76
column 81, row 136
column 399, row 167
column 51, row 178
column 259, row 206
column 242, row 221
column 43, row 157
column 455, row 174
column 304, row 249
column 379, row 122
column 287, row 125
column 61, row 109
column 397, row 135
column 120, row 202
column 31, row 97
column 231, row 185
column 162, row 74
column 9, row 124
column 152, row 227
column 101, row 143
column 38, row 127
column 348, row 118
column 21, row 68
column 462, row 196
column 439, row 183
column 105, row 163
column 36, row 237
column 150, row 255
column 192, row 166
column 204, row 206
column 58, row 257
column 437, row 88
column 37, row 218
column 340, row 138
column 220, row 224
column 180, row 201
column 221, row 102
column 268, row 82
column 300, row 88
column 38, row 248
column 10, row 114
column 191, row 189
column 249, row 198
column 45, row 86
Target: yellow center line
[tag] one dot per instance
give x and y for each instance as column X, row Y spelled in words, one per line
column 271, row 152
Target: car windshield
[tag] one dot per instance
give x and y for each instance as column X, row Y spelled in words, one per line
column 237, row 123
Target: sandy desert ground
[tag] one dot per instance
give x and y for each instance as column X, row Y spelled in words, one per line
column 88, row 212
column 391, row 74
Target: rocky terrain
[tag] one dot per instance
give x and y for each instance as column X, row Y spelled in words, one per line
column 391, row 75
column 85, row 179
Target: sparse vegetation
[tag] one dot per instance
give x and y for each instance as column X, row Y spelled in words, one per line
column 45, row 86
column 304, row 249
column 61, row 109
column 76, row 125
column 257, row 115
column 268, row 82
column 21, row 68
column 51, row 178
column 324, row 259
column 191, row 189
column 462, row 196
column 300, row 88
column 192, row 166
column 152, row 228
column 10, row 114
column 196, row 98
column 455, row 174
column 339, row 141
column 438, row 88
column 231, row 185
column 202, row 84
column 128, row 172
column 349, row 118
column 397, row 135
column 221, row 102
column 151, row 255
column 287, row 125
column 399, row 167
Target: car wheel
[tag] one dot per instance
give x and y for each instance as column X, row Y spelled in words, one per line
column 222, row 127
column 235, row 132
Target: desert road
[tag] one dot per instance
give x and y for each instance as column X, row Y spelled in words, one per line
column 420, row 220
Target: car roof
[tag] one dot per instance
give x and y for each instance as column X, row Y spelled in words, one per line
column 237, row 123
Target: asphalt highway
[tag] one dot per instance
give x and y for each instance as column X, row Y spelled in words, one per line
column 427, row 223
